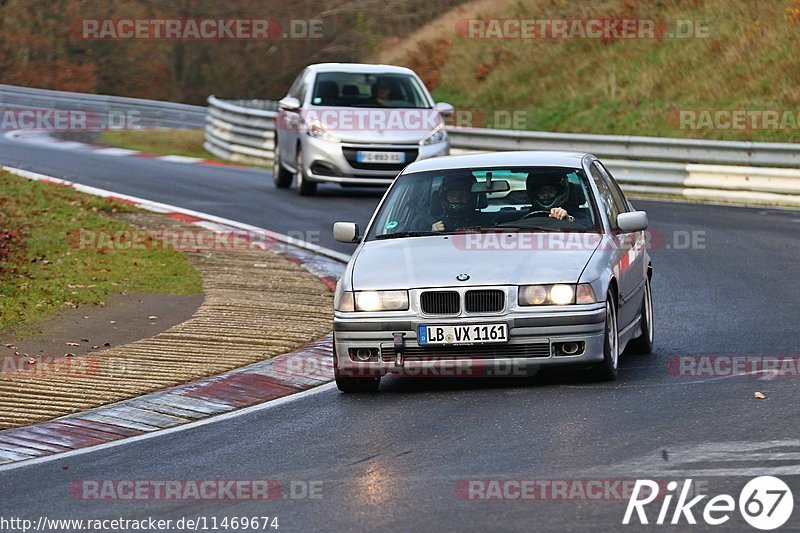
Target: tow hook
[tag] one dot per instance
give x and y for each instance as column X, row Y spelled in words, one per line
column 399, row 349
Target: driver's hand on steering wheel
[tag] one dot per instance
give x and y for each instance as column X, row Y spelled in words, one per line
column 438, row 226
column 559, row 213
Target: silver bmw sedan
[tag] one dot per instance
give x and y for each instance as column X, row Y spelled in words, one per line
column 493, row 264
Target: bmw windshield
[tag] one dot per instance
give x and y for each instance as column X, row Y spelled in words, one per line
column 488, row 199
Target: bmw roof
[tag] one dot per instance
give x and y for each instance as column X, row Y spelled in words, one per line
column 499, row 159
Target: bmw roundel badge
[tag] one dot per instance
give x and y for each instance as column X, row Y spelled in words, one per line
column 462, row 277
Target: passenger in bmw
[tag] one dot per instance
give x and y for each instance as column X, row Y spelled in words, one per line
column 457, row 204
column 553, row 193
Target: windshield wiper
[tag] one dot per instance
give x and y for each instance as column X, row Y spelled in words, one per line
column 484, row 228
column 401, row 234
column 530, row 228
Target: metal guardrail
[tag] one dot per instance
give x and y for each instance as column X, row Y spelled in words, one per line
column 138, row 112
column 244, row 131
column 238, row 133
column 741, row 172
column 667, row 149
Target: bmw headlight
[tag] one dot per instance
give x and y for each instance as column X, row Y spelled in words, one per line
column 558, row 294
column 437, row 135
column 318, row 130
column 372, row 301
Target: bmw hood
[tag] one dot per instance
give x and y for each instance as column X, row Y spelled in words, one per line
column 486, row 258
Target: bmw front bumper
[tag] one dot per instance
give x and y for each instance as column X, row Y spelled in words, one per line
column 534, row 338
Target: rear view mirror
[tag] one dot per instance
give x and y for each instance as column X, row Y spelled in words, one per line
column 346, row 232
column 633, row 221
column 491, row 186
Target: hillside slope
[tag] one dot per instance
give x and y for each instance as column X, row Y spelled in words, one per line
column 737, row 77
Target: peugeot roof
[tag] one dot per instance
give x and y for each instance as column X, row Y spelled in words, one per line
column 359, row 67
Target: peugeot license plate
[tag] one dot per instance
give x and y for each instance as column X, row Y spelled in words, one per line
column 380, row 157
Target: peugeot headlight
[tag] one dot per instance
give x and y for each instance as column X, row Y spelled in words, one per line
column 558, row 294
column 437, row 135
column 372, row 301
column 318, row 130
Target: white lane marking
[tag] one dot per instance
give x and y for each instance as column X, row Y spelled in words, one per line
column 36, row 176
column 183, row 427
column 70, row 145
column 45, row 138
column 151, row 205
column 12, row 135
column 751, row 471
column 213, row 226
column 180, row 159
column 736, row 458
column 166, row 208
column 688, row 380
column 115, row 151
column 42, row 137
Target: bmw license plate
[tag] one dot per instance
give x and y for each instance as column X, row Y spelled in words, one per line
column 380, row 157
column 471, row 334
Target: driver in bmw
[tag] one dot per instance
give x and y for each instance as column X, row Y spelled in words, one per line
column 553, row 193
column 458, row 204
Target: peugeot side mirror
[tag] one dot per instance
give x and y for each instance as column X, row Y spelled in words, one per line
column 445, row 109
column 290, row 103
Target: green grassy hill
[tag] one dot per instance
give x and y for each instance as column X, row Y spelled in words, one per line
column 748, row 62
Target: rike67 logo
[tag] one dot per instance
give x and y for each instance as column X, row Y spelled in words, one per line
column 765, row 503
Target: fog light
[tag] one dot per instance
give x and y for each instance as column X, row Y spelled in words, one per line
column 568, row 348
column 363, row 355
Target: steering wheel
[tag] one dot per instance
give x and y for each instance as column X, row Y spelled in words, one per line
column 536, row 214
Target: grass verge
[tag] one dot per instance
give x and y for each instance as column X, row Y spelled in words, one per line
column 166, row 142
column 43, row 268
column 161, row 141
column 739, row 57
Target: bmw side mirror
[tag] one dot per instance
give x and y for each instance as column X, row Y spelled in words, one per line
column 633, row 221
column 445, row 109
column 346, row 232
column 290, row 103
